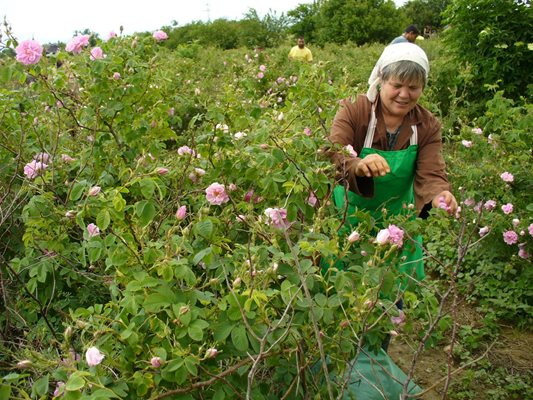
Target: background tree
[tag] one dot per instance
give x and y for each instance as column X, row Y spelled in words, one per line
column 303, row 20
column 492, row 41
column 425, row 12
column 359, row 21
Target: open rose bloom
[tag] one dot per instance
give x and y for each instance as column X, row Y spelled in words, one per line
column 29, row 52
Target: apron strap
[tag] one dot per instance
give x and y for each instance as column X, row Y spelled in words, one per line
column 369, row 138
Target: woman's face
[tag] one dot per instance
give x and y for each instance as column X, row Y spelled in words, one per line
column 398, row 98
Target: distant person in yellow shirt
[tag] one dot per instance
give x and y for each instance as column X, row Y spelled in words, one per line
column 300, row 52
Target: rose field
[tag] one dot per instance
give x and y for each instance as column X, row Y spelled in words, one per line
column 167, row 229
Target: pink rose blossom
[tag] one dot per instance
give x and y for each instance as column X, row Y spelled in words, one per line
column 507, row 177
column 490, row 205
column 507, row 208
column 93, row 356
column 353, row 237
column 396, row 235
column 97, row 53
column 443, row 204
column 232, row 187
column 277, row 217
column 29, row 52
column 94, row 190
column 181, row 213
column 111, row 35
column 93, row 230
column 161, row 171
column 466, row 143
column 186, row 150
column 216, row 194
column 307, row 131
column 42, row 157
column 77, row 44
column 312, row 199
column 160, row 36
column 350, row 150
column 260, row 75
column 522, row 252
column 400, row 319
column 211, row 353
column 249, row 196
column 262, row 68
column 382, row 236
column 155, row 362
column 477, row 131
column 483, row 231
column 34, row 168
column 469, row 202
column 530, row 229
column 510, row 237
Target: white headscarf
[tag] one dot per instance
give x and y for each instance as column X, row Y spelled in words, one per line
column 392, row 53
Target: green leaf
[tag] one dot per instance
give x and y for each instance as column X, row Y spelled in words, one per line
column 146, row 211
column 204, row 229
column 201, row 254
column 191, row 365
column 239, row 338
column 77, row 190
column 75, row 382
column 147, row 187
column 5, row 392
column 40, row 386
column 219, row 394
column 103, row 219
column 222, row 331
column 118, row 202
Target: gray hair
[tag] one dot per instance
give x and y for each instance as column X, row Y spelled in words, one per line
column 405, row 71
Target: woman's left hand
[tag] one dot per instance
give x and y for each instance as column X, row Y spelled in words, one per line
column 445, row 200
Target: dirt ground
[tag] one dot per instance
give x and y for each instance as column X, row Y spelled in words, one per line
column 513, row 350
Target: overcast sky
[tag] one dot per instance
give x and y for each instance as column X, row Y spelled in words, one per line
column 49, row 21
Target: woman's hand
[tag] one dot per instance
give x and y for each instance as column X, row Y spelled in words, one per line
column 446, row 201
column 373, row 165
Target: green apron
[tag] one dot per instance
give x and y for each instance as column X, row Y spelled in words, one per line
column 393, row 192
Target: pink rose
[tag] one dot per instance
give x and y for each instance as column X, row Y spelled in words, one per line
column 181, row 213
column 400, row 319
column 262, row 68
column 111, row 35
column 382, row 236
column 477, row 131
column 211, row 353
column 216, row 194
column 307, row 131
column 490, row 205
column 186, row 150
column 469, row 202
column 93, row 356
column 29, row 52
column 116, row 76
column 34, row 168
column 260, row 75
column 466, row 143
column 77, row 44
column 353, row 237
column 42, row 157
column 507, row 208
column 155, row 362
column 312, row 200
column 350, row 150
column 277, row 217
column 395, row 235
column 522, row 252
column 483, row 231
column 510, row 237
column 97, row 53
column 93, row 230
column 94, row 190
column 530, row 229
column 507, row 177
column 160, row 35
column 161, row 171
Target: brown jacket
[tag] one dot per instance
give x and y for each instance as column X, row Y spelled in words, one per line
column 349, row 127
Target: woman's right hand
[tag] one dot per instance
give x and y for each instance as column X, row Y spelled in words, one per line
column 373, row 165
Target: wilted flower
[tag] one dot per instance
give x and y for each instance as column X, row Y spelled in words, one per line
column 280, row 116
column 277, row 217
column 516, row 222
column 507, row 208
column 156, row 362
column 181, row 213
column 42, row 157
column 66, row 158
column 29, row 52
column 216, row 194
column 490, row 205
column 507, row 177
column 160, row 35
column 353, row 237
column 24, row 364
column 400, row 319
column 312, row 199
column 93, row 356
column 94, row 190
column 93, row 230
column 510, row 237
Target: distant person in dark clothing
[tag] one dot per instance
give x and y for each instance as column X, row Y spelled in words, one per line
column 409, row 35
